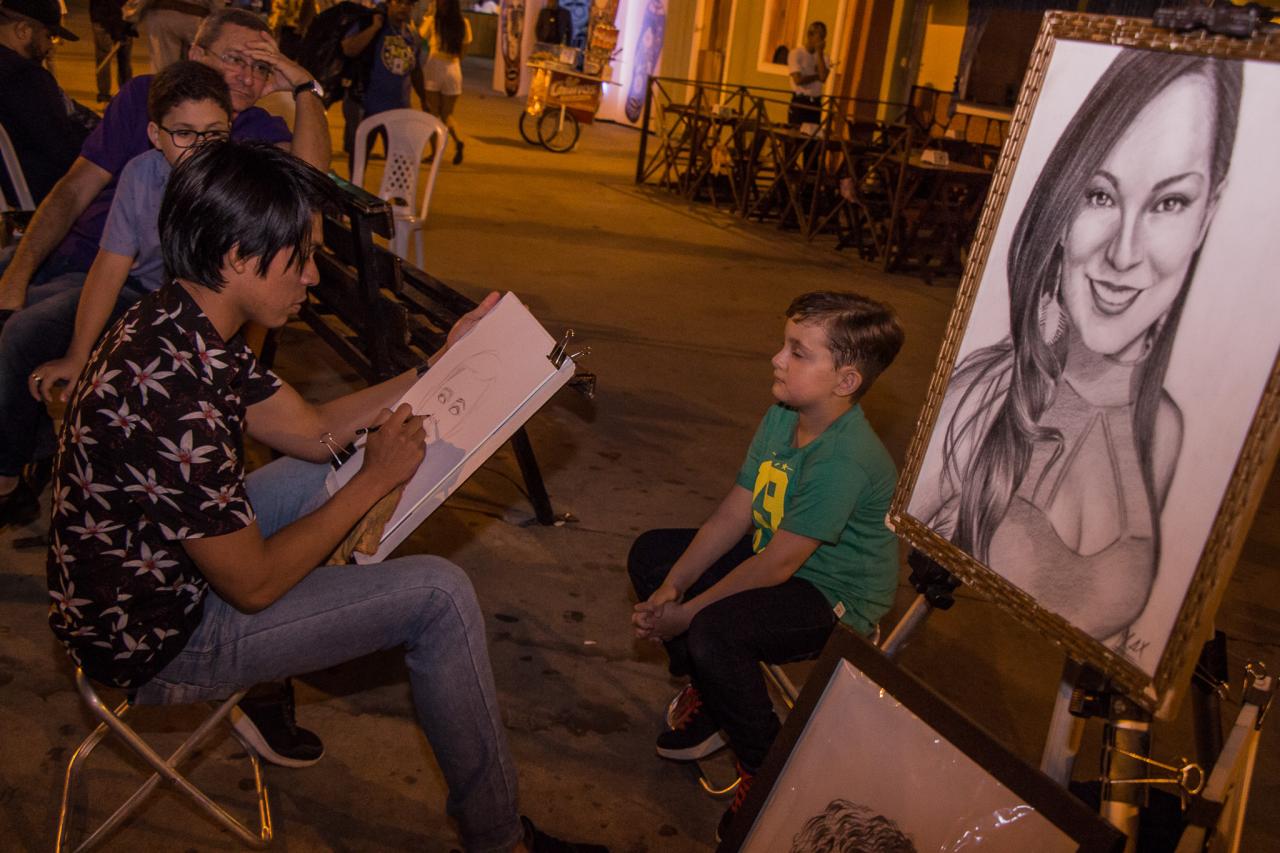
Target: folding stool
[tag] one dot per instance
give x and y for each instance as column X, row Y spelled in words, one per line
column 166, row 770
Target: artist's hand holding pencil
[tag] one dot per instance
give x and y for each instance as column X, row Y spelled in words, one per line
column 394, row 450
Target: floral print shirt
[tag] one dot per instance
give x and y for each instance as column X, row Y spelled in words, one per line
column 150, row 455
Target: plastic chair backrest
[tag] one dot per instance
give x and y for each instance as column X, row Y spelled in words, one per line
column 408, row 132
column 16, row 178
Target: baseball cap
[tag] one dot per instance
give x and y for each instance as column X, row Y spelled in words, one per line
column 47, row 12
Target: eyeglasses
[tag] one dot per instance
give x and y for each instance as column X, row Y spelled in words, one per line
column 239, row 63
column 184, row 138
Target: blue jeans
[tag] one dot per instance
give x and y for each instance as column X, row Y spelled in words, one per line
column 339, row 613
column 40, row 332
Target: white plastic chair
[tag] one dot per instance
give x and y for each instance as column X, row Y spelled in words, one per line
column 408, row 132
column 16, row 178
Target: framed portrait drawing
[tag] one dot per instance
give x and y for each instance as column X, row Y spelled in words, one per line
column 870, row 753
column 1102, row 417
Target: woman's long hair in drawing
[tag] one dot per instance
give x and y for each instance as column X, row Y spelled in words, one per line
column 1008, row 386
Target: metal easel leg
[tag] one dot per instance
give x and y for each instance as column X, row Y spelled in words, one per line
column 935, row 587
column 1062, row 743
column 1126, row 745
column 1221, row 805
column 532, row 477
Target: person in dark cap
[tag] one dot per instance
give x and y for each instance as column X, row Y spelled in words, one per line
column 44, row 128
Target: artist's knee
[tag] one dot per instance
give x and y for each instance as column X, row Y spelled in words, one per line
column 442, row 591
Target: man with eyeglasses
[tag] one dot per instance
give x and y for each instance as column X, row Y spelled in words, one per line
column 46, row 133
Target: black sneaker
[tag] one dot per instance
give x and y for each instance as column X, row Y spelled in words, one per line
column 268, row 725
column 745, row 778
column 537, row 841
column 19, row 507
column 693, row 734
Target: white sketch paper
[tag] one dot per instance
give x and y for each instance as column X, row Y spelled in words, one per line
column 869, row 765
column 476, row 396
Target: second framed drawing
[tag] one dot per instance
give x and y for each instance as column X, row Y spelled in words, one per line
column 1103, row 413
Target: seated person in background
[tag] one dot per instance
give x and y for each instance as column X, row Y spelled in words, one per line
column 555, row 25
column 809, row 66
column 798, row 544
column 232, row 42
column 37, row 115
column 188, row 103
column 173, row 574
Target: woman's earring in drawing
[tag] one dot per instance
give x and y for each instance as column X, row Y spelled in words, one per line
column 1053, row 322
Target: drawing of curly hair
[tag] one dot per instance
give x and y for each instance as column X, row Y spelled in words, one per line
column 846, row 827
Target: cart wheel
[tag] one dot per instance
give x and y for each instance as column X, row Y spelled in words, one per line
column 557, row 134
column 529, row 127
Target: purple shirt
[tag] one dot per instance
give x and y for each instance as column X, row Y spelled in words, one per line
column 120, row 137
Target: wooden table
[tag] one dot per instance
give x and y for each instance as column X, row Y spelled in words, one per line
column 939, row 203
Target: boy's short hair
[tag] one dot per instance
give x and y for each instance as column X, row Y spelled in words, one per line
column 861, row 332
column 211, row 26
column 248, row 196
column 183, row 81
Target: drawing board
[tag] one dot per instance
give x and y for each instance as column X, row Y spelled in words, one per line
column 475, row 397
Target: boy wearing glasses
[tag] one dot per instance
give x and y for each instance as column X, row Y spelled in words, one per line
column 62, row 240
column 188, row 103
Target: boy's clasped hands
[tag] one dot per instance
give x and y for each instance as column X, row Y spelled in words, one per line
column 661, row 616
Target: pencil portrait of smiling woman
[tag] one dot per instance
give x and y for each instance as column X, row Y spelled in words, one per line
column 1055, row 447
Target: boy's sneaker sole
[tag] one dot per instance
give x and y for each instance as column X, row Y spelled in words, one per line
column 247, row 730
column 712, row 744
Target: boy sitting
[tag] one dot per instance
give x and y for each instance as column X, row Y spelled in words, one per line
column 188, row 103
column 798, row 544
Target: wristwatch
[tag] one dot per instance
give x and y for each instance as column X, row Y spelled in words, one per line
column 312, row 86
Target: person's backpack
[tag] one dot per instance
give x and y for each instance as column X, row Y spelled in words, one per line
column 321, row 51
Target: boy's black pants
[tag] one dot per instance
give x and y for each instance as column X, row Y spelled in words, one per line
column 726, row 641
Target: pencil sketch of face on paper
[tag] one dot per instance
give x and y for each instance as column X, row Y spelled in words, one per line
column 1055, row 447
column 451, row 402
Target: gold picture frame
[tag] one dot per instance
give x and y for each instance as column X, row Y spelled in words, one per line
column 993, row 468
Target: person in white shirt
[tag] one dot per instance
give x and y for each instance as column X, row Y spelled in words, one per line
column 810, row 66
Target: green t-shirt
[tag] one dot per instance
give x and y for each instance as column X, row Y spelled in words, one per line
column 835, row 489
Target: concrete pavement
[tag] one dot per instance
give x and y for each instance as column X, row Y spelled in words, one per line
column 682, row 307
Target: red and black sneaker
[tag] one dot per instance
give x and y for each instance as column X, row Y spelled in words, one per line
column 693, row 733
column 745, row 779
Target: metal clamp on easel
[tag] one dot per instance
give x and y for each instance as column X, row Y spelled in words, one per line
column 582, row 381
column 935, row 588
column 1219, row 18
column 1220, row 806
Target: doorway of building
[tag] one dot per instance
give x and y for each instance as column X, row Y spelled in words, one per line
column 713, row 39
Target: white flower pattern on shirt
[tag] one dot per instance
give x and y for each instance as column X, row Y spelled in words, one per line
column 150, row 455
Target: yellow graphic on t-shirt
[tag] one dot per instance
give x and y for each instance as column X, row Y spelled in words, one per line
column 767, row 502
column 397, row 55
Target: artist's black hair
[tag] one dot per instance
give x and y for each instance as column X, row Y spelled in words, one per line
column 183, row 81
column 248, row 196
